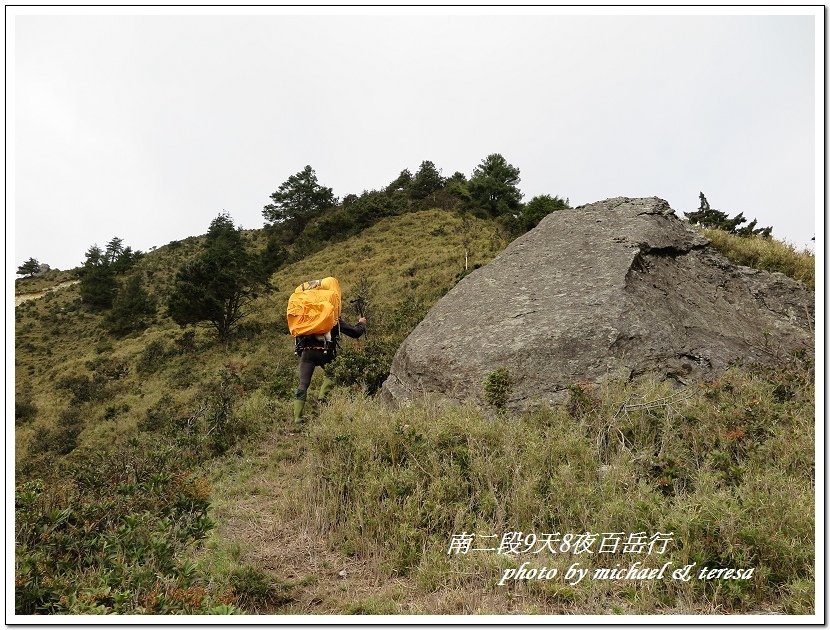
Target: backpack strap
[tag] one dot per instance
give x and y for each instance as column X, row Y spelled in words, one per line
column 328, row 343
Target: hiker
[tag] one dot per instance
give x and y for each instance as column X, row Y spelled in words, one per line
column 316, row 352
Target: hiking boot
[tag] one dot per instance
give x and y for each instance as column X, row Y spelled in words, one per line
column 299, row 405
column 325, row 388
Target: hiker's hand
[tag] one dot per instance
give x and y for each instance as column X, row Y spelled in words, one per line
column 362, row 320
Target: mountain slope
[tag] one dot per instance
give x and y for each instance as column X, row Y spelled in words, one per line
column 64, row 354
column 354, row 511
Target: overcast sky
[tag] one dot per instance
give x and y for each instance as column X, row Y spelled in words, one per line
column 146, row 127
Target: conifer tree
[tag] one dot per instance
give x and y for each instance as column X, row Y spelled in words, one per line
column 537, row 209
column 427, row 180
column 98, row 273
column 29, row 268
column 132, row 307
column 298, row 199
column 401, row 182
column 494, row 186
column 98, row 284
column 708, row 217
column 219, row 286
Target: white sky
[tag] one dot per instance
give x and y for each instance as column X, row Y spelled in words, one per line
column 146, row 127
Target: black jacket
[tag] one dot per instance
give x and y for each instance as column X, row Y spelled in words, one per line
column 354, row 332
column 313, row 342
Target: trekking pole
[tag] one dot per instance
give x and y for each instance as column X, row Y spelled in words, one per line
column 362, row 290
column 360, row 304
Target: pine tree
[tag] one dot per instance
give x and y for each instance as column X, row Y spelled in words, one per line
column 132, row 308
column 274, row 256
column 219, row 286
column 427, row 181
column 537, row 209
column 401, row 182
column 298, row 200
column 708, row 217
column 98, row 274
column 494, row 186
column 115, row 248
column 98, row 284
column 29, row 268
column 458, row 188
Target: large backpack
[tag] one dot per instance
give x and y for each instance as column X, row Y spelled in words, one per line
column 314, row 307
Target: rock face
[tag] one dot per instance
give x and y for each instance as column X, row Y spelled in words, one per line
column 621, row 285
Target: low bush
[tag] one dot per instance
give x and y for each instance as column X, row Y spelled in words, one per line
column 256, row 591
column 109, row 534
column 211, row 424
column 222, row 425
column 24, row 410
column 153, row 357
column 364, row 366
column 498, row 387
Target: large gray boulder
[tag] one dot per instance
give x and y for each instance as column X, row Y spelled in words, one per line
column 621, row 286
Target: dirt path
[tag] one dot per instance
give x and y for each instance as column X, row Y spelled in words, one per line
column 257, row 516
column 25, row 297
column 256, row 510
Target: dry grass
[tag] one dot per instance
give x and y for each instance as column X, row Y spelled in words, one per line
column 255, row 507
column 767, row 254
column 356, row 511
column 42, row 282
column 412, row 257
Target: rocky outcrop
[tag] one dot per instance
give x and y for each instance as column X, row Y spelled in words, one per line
column 622, row 285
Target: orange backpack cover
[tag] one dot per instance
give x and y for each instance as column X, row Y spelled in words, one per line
column 314, row 307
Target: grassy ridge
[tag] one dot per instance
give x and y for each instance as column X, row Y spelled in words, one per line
column 412, row 258
column 42, row 282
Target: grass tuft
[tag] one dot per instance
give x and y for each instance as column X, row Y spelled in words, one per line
column 767, row 254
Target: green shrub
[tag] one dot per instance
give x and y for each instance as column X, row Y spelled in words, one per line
column 160, row 417
column 106, row 534
column 212, row 424
column 282, row 382
column 372, row 606
column 498, row 385
column 405, row 316
column 113, row 411
column 24, row 410
column 223, row 395
column 95, row 387
column 186, row 342
column 104, row 346
column 152, row 357
column 580, row 402
column 365, row 366
column 256, row 591
column 82, row 387
column 62, row 438
column 107, row 369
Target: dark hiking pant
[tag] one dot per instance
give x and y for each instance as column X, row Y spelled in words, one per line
column 309, row 360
